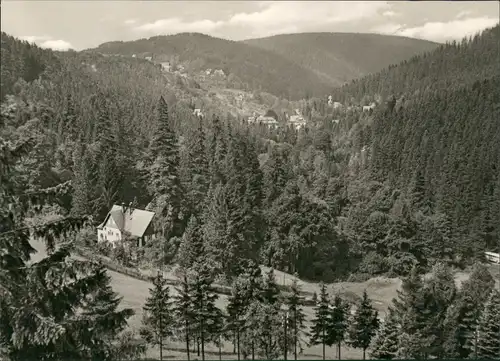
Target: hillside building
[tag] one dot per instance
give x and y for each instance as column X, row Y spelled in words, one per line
column 124, row 222
column 198, row 113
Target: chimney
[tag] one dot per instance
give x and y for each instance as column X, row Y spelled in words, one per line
column 123, row 207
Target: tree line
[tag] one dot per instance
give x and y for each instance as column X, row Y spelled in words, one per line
column 429, row 318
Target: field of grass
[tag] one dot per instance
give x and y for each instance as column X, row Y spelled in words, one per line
column 380, row 290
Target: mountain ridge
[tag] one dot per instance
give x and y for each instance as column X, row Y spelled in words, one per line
column 342, row 57
column 312, row 70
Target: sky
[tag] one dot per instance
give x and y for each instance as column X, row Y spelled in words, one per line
column 70, row 24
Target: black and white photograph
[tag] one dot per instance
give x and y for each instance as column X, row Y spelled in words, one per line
column 249, row 180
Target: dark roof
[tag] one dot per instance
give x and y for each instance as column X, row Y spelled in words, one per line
column 133, row 221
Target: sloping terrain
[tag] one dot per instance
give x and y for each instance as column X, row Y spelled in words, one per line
column 380, row 290
column 341, row 57
column 256, row 68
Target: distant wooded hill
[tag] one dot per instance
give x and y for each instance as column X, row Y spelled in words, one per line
column 341, row 57
column 289, row 66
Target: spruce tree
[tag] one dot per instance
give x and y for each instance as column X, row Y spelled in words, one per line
column 164, row 182
column 409, row 307
column 319, row 328
column 236, row 308
column 197, row 164
column 219, row 248
column 82, row 184
column 57, row 307
column 191, row 247
column 263, row 330
column 207, row 316
column 463, row 316
column 270, row 290
column 158, row 320
column 439, row 293
column 217, row 149
column 386, row 342
column 184, row 312
column 364, row 325
column 296, row 318
column 488, row 342
column 338, row 323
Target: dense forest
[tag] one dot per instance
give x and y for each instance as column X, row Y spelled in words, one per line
column 410, row 187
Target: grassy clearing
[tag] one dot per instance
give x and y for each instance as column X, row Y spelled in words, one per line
column 381, row 290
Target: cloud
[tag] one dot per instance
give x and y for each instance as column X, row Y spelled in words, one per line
column 440, row 31
column 274, row 16
column 34, row 38
column 45, row 41
column 389, row 13
column 59, row 45
column 463, row 14
column 388, row 28
column 271, row 18
column 177, row 25
column 130, row 21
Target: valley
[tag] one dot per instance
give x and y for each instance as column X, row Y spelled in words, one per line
column 340, row 189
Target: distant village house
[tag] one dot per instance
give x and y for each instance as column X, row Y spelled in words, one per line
column 165, row 66
column 367, row 108
column 124, row 222
column 197, row 112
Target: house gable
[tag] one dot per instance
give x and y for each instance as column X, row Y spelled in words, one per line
column 126, row 222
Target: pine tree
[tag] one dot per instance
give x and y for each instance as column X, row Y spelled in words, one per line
column 296, row 318
column 439, row 292
column 184, row 312
column 319, row 328
column 463, row 316
column 158, row 319
column 338, row 323
column 82, row 183
column 217, row 149
column 364, row 325
column 57, row 307
column 409, row 307
column 263, row 330
column 191, row 247
column 197, row 164
column 270, row 290
column 207, row 316
column 235, row 311
column 488, row 342
column 164, row 179
column 219, row 248
column 386, row 342
column 254, row 221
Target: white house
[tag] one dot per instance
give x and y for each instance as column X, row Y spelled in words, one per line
column 492, row 257
column 165, row 66
column 126, row 222
column 297, row 121
column 367, row 108
column 197, row 112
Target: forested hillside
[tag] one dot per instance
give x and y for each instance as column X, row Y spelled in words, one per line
column 450, row 65
column 365, row 195
column 258, row 69
column 342, row 57
column 410, row 187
